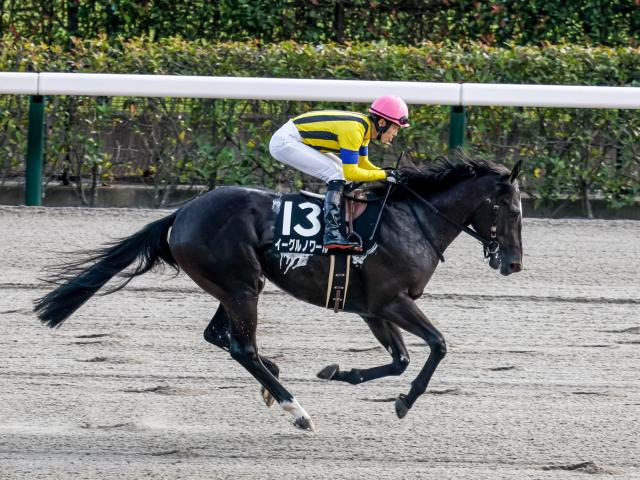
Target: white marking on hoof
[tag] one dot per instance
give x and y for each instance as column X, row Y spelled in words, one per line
column 302, row 418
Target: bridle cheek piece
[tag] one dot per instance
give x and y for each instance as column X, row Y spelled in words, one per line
column 492, row 247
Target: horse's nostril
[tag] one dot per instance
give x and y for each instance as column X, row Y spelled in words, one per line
column 515, row 266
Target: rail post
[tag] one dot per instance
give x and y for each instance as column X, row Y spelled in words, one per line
column 35, row 146
column 456, row 128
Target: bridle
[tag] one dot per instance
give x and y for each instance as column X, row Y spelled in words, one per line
column 490, row 246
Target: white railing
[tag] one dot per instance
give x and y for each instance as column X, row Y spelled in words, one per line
column 426, row 93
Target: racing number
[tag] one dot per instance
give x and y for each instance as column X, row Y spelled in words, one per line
column 313, row 216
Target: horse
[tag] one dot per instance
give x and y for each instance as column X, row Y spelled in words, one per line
column 223, row 240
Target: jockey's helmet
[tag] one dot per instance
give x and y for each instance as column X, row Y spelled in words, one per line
column 392, row 108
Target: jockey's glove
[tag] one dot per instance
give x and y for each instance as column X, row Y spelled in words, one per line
column 393, row 176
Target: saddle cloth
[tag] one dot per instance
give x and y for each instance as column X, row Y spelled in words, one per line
column 299, row 225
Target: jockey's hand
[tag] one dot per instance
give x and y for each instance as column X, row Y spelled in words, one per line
column 393, row 176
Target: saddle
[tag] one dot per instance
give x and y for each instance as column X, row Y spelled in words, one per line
column 354, row 204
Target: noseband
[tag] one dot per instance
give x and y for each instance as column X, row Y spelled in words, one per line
column 490, row 246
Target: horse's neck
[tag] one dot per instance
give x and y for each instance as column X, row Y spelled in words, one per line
column 459, row 203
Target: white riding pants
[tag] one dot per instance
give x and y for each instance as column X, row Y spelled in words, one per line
column 287, row 147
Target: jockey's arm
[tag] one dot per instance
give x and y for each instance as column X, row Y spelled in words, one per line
column 363, row 159
column 357, row 168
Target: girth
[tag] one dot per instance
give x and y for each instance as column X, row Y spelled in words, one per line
column 338, row 281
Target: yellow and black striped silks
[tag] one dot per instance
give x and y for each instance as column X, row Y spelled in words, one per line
column 346, row 134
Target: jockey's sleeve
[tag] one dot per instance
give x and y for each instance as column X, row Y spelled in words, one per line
column 353, row 172
column 351, row 153
column 363, row 159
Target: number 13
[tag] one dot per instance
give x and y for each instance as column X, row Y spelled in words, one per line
column 313, row 216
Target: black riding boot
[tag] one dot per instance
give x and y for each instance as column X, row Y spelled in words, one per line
column 333, row 237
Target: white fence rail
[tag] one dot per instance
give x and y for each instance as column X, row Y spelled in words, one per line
column 426, row 93
column 19, row 83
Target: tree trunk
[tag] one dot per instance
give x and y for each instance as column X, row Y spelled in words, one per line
column 73, row 29
column 112, row 26
column 586, row 204
column 339, row 21
column 68, row 140
column 1, row 17
column 95, row 173
column 48, row 20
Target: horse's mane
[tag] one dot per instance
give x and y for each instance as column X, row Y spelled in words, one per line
column 443, row 174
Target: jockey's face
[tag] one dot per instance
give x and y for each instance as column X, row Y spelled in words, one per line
column 388, row 136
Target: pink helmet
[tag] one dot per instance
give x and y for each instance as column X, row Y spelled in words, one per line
column 391, row 108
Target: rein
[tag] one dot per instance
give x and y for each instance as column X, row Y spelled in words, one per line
column 490, row 246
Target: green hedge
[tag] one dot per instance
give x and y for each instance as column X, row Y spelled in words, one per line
column 499, row 22
column 176, row 141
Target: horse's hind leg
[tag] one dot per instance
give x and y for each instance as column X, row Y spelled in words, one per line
column 218, row 332
column 391, row 339
column 242, row 312
column 230, row 270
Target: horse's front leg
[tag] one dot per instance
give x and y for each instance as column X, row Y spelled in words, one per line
column 390, row 338
column 405, row 313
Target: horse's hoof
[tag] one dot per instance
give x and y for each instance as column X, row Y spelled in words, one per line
column 304, row 423
column 328, row 372
column 267, row 397
column 401, row 406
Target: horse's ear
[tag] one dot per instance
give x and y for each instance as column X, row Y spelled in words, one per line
column 516, row 171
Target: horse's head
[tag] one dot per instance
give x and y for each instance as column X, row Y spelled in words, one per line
column 500, row 221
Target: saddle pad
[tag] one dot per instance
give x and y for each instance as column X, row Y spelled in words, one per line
column 299, row 225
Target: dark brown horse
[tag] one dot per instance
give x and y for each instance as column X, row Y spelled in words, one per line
column 224, row 241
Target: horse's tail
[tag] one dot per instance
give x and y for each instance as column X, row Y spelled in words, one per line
column 79, row 280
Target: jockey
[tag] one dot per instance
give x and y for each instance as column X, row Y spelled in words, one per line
column 332, row 145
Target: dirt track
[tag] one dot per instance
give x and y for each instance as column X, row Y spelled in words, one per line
column 542, row 373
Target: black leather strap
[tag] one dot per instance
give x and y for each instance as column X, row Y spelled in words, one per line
column 425, row 232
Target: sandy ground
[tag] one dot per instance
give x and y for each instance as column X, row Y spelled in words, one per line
column 541, row 380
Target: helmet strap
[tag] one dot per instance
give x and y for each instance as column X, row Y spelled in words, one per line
column 381, row 129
